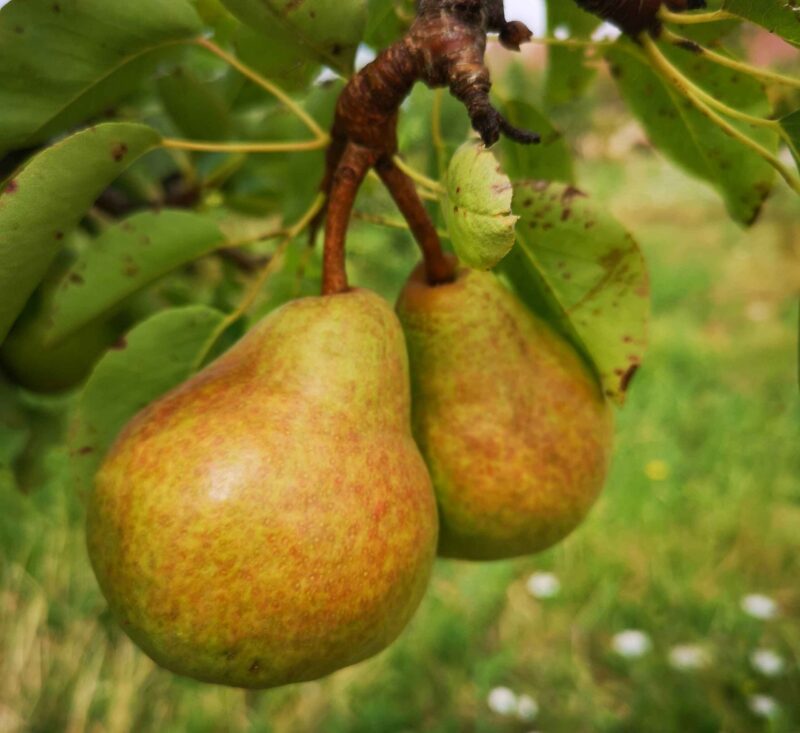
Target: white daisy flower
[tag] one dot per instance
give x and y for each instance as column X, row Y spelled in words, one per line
column 760, row 606
column 763, row 705
column 502, row 701
column 631, row 643
column 686, row 657
column 767, row 662
column 527, row 709
column 543, row 585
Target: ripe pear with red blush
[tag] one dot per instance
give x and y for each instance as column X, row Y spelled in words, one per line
column 271, row 520
column 512, row 424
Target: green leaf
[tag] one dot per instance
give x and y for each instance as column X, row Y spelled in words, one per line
column 568, row 73
column 48, row 197
column 328, row 31
column 157, row 355
column 284, row 182
column 708, row 33
column 576, row 265
column 791, row 124
column 777, row 16
column 684, row 134
column 415, row 129
column 550, row 159
column 63, row 61
column 275, row 56
column 195, row 107
column 387, row 20
column 477, row 207
column 125, row 258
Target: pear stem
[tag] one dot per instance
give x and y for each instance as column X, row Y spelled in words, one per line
column 353, row 165
column 439, row 268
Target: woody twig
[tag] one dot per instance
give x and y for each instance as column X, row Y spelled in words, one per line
column 443, row 48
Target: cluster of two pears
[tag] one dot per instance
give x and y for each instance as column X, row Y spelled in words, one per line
column 273, row 519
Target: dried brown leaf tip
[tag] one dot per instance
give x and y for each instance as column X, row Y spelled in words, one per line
column 444, row 47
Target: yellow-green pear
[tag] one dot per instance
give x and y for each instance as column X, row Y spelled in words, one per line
column 271, row 520
column 512, row 424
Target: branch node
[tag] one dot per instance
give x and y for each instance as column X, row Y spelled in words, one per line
column 443, row 48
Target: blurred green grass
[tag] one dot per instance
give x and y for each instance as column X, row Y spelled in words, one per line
column 702, row 507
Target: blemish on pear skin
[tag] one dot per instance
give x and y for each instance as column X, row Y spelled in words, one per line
column 255, row 666
column 85, row 450
column 120, row 343
column 11, row 187
column 76, row 278
column 627, row 377
column 59, row 235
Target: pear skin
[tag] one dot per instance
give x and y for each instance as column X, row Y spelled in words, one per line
column 512, row 424
column 271, row 520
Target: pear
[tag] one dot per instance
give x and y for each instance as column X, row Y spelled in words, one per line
column 512, row 424
column 272, row 520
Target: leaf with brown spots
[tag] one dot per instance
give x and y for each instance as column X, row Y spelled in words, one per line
column 689, row 138
column 569, row 71
column 159, row 354
column 576, row 265
column 477, row 207
column 49, row 196
column 327, row 31
column 125, row 258
column 550, row 160
column 781, row 17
